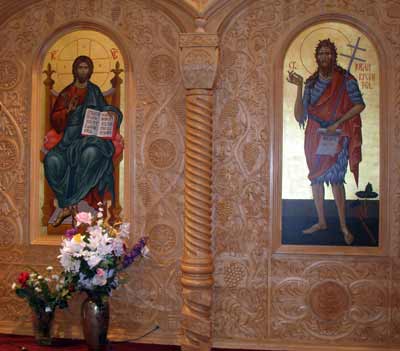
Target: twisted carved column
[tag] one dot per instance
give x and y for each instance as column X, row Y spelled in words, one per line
column 198, row 62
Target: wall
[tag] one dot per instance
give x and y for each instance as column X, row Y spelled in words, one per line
column 328, row 297
column 154, row 127
column 263, row 297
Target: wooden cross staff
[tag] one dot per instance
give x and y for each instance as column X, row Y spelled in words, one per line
column 343, row 86
column 353, row 55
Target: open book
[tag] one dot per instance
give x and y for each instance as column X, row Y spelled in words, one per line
column 99, row 123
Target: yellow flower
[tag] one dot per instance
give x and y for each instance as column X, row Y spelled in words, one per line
column 77, row 238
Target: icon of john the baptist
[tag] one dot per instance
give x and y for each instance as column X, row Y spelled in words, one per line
column 331, row 104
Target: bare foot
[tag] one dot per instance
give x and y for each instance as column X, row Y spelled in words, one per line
column 64, row 213
column 315, row 228
column 348, row 237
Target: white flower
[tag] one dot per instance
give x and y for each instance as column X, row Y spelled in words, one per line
column 49, row 268
column 101, row 244
column 93, row 260
column 40, row 277
column 73, row 247
column 118, row 247
column 47, row 279
column 69, row 263
column 124, row 230
column 37, row 289
column 99, row 214
column 145, row 251
column 95, row 231
column 48, row 309
column 13, row 286
column 76, row 243
column 55, row 277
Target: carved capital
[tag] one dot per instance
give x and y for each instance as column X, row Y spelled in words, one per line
column 198, row 60
column 190, row 40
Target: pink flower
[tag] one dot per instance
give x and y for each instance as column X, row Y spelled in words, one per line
column 83, row 217
column 100, row 272
column 100, row 278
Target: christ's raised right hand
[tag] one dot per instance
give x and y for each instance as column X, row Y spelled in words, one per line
column 73, row 104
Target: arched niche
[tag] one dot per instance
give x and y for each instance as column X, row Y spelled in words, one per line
column 52, row 72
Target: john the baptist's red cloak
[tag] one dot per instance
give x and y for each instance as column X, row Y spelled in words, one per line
column 323, row 109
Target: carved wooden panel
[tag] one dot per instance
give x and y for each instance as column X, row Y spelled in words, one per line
column 395, row 302
column 344, row 301
column 296, row 307
column 154, row 123
column 259, row 298
column 241, row 178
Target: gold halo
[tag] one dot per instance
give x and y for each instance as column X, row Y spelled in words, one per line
column 311, row 41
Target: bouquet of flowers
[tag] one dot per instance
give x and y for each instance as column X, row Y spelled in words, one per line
column 93, row 254
column 43, row 292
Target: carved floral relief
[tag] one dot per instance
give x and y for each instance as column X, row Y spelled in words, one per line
column 301, row 289
column 151, row 41
column 300, row 301
column 331, row 300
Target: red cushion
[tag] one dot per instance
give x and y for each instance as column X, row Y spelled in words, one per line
column 51, row 139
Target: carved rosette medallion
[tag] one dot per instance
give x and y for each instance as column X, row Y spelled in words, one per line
column 162, row 153
column 8, row 154
column 161, row 69
column 8, row 229
column 329, row 300
column 9, row 74
column 162, row 239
